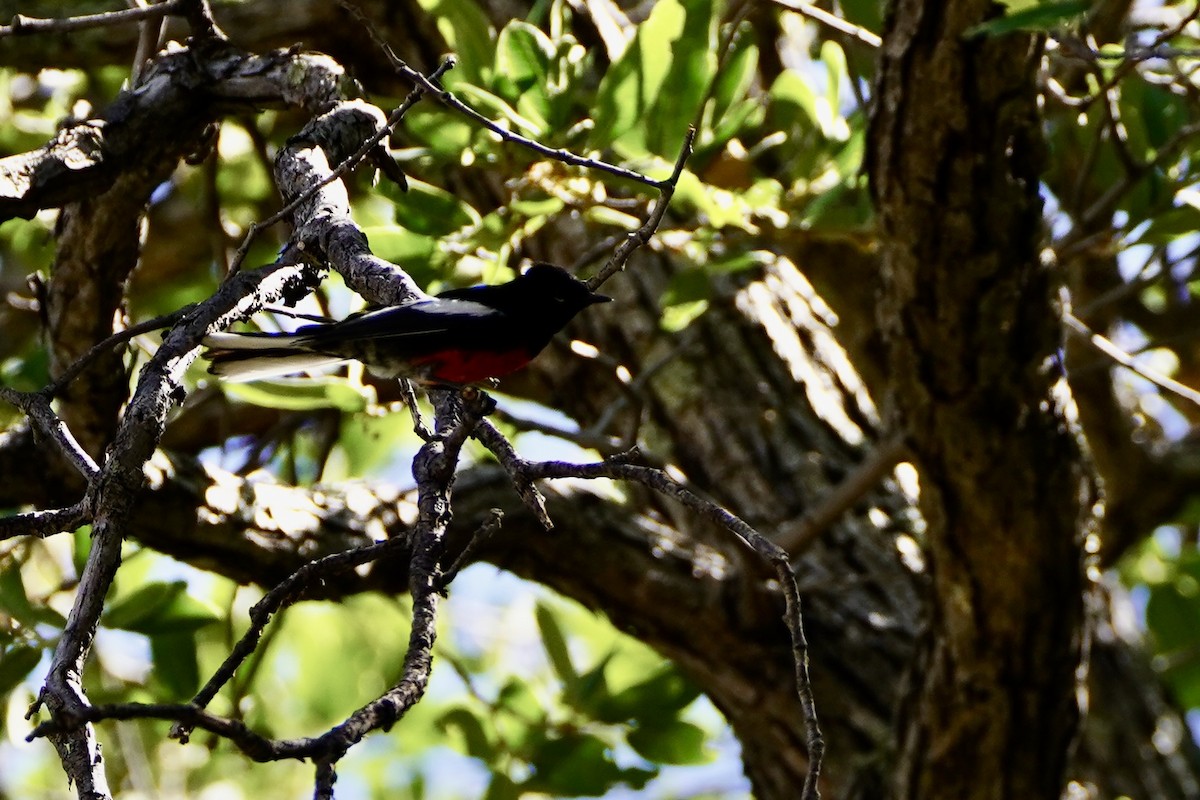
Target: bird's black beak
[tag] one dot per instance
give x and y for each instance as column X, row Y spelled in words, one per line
column 599, row 298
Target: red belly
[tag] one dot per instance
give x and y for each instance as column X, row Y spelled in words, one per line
column 458, row 366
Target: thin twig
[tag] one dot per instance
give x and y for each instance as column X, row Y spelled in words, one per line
column 497, row 443
column 434, row 468
column 45, row 523
column 449, row 99
column 772, row 553
column 1079, row 50
column 347, row 164
column 256, row 746
column 36, row 406
column 23, row 25
column 71, row 372
column 285, row 593
column 600, row 442
column 1119, row 135
column 455, row 415
column 823, row 17
column 150, row 41
column 414, row 409
column 1106, row 346
column 799, row 535
column 642, row 235
column 489, row 526
column 1106, row 202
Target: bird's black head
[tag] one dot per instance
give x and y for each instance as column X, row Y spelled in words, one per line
column 555, row 286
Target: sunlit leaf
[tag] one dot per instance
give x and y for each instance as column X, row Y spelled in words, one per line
column 524, row 56
column 649, row 97
column 468, row 32
column 611, row 216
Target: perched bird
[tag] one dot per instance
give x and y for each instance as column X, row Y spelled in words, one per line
column 460, row 337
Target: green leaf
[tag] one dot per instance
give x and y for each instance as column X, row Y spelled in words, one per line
column 1160, row 111
column 445, row 136
column 495, row 106
column 677, row 317
column 176, row 665
column 686, row 298
column 631, row 85
column 81, row 546
column 649, row 97
column 542, row 207
column 414, row 252
column 739, row 261
column 1173, row 619
column 519, row 700
column 160, row 608
column 1173, row 615
column 671, row 741
column 693, row 67
column 791, row 93
column 843, row 206
column 834, row 59
column 469, row 727
column 1170, row 225
column 28, row 373
column 611, row 216
column 524, row 57
column 428, row 210
column 468, row 33
column 303, row 394
column 733, row 82
column 687, row 285
column 130, row 611
column 372, row 443
column 13, row 598
column 1042, row 17
column 661, row 695
column 555, row 644
column 15, row 665
column 592, row 689
column 738, row 121
column 574, row 765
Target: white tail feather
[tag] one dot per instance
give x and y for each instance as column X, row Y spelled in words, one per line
column 252, row 369
column 242, row 341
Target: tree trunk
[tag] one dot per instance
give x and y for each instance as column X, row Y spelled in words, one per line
column 971, row 330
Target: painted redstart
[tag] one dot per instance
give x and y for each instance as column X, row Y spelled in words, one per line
column 459, row 337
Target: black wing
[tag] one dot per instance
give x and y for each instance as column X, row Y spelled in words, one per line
column 414, row 328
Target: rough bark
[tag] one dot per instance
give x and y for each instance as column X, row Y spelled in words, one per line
column 971, row 330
